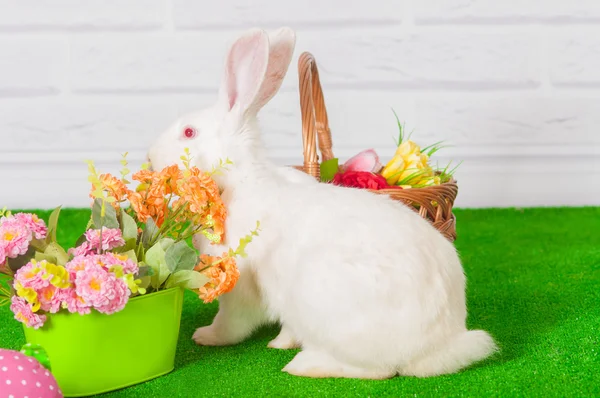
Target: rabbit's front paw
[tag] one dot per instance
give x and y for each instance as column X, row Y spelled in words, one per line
column 209, row 336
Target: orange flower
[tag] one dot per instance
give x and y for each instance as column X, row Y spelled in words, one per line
column 218, row 214
column 168, row 178
column 192, row 192
column 192, row 188
column 150, row 203
column 144, row 176
column 115, row 188
column 206, row 181
column 150, row 199
column 199, row 193
column 223, row 276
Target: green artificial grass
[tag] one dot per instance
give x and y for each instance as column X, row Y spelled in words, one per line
column 533, row 283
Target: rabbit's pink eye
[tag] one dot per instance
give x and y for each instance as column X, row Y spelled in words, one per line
column 189, row 132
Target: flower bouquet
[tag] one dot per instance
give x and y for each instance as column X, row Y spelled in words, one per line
column 123, row 281
column 410, row 167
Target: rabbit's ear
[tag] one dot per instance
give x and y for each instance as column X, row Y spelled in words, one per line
column 281, row 49
column 245, row 70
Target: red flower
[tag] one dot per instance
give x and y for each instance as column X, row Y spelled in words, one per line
column 361, row 179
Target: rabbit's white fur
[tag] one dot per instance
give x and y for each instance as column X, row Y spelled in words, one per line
column 362, row 283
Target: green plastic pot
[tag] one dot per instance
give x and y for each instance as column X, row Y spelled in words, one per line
column 96, row 353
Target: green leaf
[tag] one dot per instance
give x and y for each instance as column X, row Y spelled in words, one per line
column 400, row 128
column 52, row 225
column 43, row 256
column 145, row 281
column 187, row 279
column 407, row 180
column 181, row 257
column 150, row 232
column 16, row 263
column 55, row 250
column 144, row 270
column 424, row 150
column 80, row 240
column 110, row 215
column 38, row 244
column 155, row 258
column 328, row 169
column 128, row 226
column 144, row 274
column 129, row 245
column 166, row 243
column 131, row 255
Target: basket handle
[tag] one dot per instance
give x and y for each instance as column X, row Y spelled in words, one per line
column 315, row 125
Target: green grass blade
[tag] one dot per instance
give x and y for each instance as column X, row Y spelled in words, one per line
column 430, row 146
column 400, row 127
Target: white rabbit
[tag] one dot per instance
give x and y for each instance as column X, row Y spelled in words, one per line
column 363, row 284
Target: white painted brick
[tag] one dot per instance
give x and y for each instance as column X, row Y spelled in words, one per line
column 32, row 66
column 148, row 62
column 510, row 122
column 81, row 15
column 525, row 182
column 574, row 58
column 505, row 11
column 82, row 124
column 387, row 58
column 272, row 13
column 373, row 58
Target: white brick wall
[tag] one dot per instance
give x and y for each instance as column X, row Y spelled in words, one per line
column 513, row 85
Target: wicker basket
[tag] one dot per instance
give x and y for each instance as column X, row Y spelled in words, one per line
column 433, row 203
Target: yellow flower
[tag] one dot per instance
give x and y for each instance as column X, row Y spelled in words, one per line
column 407, row 161
column 409, row 167
column 407, row 148
column 391, row 171
column 29, row 294
column 59, row 276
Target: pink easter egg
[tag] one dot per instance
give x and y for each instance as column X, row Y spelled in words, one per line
column 22, row 376
column 367, row 161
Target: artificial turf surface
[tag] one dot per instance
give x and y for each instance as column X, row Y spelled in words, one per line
column 533, row 283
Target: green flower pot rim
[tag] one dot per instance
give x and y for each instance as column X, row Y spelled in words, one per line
column 157, row 293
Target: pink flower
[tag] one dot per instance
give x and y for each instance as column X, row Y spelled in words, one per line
column 31, row 221
column 101, row 289
column 50, row 298
column 23, row 313
column 14, row 237
column 120, row 297
column 110, row 260
column 79, row 263
column 367, row 161
column 82, row 250
column 74, row 303
column 31, row 276
column 111, row 238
